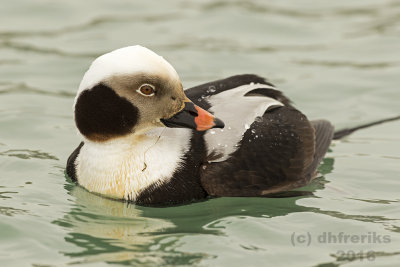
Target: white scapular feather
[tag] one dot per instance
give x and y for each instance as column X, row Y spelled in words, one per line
column 238, row 112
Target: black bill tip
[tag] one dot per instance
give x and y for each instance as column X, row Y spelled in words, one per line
column 218, row 123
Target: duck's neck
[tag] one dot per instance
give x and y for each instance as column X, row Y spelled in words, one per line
column 122, row 168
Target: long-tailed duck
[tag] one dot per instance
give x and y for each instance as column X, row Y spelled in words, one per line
column 148, row 141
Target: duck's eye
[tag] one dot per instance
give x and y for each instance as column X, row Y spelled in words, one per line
column 146, row 90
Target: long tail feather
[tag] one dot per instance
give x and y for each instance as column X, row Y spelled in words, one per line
column 345, row 132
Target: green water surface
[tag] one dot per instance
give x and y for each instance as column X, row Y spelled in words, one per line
column 338, row 60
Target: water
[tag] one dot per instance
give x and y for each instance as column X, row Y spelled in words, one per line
column 338, row 60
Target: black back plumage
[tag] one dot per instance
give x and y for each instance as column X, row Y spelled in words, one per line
column 198, row 93
column 274, row 155
column 281, row 152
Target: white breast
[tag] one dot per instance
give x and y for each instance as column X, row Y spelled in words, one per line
column 238, row 112
column 124, row 167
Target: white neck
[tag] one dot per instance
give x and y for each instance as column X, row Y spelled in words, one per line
column 122, row 168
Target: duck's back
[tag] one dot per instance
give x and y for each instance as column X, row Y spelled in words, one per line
column 267, row 146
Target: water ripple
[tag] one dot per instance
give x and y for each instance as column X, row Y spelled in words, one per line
column 358, row 65
column 31, row 48
column 371, row 10
column 376, row 201
column 90, row 24
column 8, row 211
column 28, row 154
column 214, row 44
column 3, row 194
column 253, row 7
column 356, row 217
column 10, row 88
column 383, row 24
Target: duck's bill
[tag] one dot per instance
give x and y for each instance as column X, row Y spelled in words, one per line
column 193, row 117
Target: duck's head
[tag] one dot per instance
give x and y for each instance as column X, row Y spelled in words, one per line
column 132, row 90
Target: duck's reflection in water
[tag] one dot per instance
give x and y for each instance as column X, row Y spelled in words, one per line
column 110, row 231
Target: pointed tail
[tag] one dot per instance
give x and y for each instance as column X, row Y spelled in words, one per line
column 345, row 132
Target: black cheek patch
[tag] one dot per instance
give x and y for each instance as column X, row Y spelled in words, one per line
column 101, row 114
